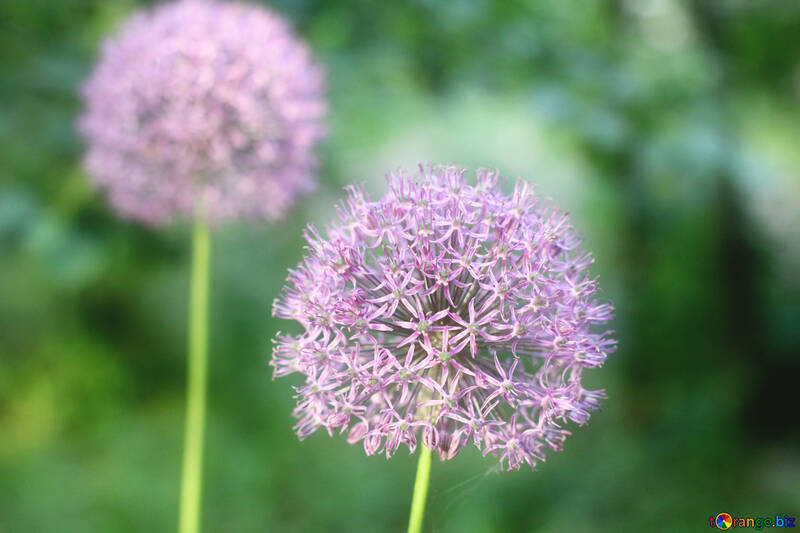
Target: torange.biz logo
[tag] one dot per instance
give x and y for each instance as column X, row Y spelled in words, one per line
column 727, row 521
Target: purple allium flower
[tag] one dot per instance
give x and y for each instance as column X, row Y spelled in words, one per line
column 204, row 108
column 448, row 310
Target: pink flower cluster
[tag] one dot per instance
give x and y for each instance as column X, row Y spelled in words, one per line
column 448, row 310
column 204, row 108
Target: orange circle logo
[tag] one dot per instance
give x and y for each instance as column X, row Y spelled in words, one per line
column 724, row 521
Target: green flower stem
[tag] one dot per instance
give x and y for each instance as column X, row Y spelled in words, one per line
column 192, row 481
column 420, row 490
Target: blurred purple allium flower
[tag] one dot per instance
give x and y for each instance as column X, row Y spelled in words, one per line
column 204, row 107
column 445, row 309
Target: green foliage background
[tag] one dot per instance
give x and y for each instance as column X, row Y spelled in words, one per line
column 668, row 128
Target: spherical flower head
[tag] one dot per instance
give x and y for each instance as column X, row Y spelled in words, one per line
column 203, row 108
column 448, row 311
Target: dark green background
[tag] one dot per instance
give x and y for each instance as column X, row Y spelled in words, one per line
column 670, row 131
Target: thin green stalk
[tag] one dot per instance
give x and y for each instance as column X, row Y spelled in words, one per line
column 192, row 481
column 420, row 490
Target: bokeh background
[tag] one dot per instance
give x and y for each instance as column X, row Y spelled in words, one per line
column 668, row 128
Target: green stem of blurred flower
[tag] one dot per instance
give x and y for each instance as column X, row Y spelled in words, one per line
column 192, row 481
column 420, row 490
